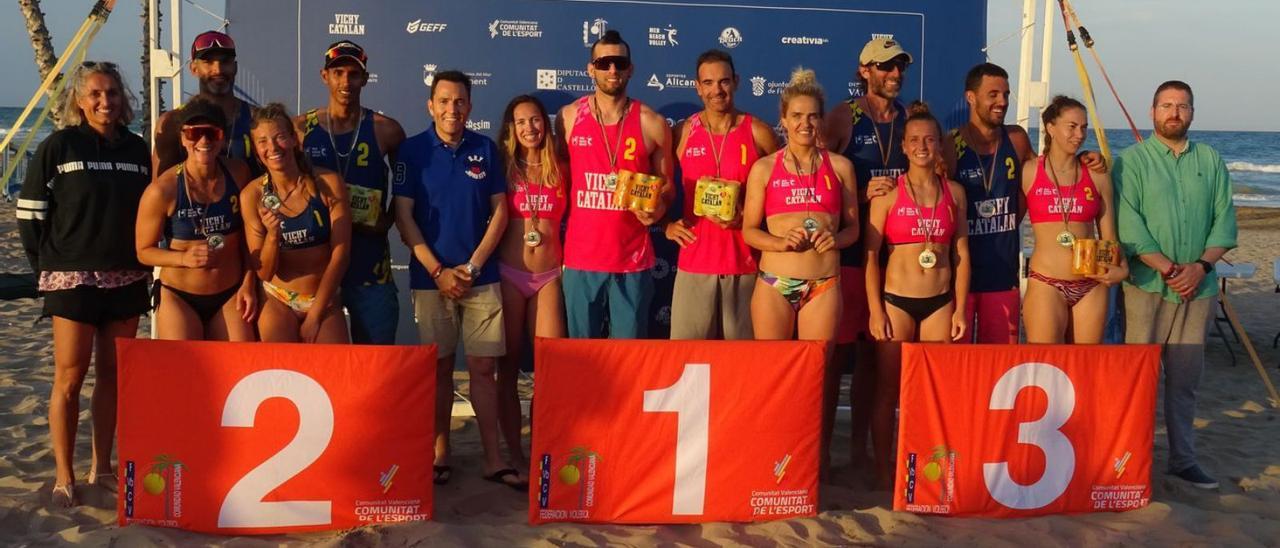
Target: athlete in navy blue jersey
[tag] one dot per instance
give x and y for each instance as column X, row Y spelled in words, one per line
column 356, row 142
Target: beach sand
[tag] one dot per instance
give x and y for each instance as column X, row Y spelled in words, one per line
column 1239, row 443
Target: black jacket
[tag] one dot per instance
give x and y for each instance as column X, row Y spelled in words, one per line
column 79, row 202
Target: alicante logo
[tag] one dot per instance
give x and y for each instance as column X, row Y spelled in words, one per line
column 730, row 37
column 757, row 85
column 475, row 167
column 593, row 30
column 655, row 83
column 428, row 74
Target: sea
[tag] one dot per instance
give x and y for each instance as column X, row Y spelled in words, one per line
column 1252, row 157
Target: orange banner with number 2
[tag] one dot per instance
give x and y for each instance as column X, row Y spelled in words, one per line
column 1011, row 431
column 249, row 438
column 675, row 431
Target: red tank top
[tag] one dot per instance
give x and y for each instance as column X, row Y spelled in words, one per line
column 791, row 193
column 523, row 200
column 909, row 222
column 716, row 250
column 1045, row 203
column 603, row 237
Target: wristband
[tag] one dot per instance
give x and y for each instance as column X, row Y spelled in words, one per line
column 435, row 274
column 1205, row 265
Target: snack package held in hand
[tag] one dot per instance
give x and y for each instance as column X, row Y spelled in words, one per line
column 637, row 191
column 716, row 198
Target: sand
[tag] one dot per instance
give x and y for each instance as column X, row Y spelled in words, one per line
column 1239, row 442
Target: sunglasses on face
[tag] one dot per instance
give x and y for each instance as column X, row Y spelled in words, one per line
column 619, row 62
column 196, row 133
column 888, row 66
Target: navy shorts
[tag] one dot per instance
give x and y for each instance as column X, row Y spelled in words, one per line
column 98, row 306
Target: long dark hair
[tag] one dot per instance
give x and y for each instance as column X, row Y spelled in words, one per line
column 1051, row 113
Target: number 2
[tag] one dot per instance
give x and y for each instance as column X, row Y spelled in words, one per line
column 690, row 399
column 243, row 505
column 362, row 160
column 629, row 149
column 1008, row 162
column 1045, row 434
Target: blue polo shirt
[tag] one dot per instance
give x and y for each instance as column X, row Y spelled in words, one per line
column 451, row 190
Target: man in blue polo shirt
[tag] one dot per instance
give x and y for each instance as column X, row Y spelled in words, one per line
column 449, row 206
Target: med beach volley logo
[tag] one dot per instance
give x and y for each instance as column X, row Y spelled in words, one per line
column 578, row 473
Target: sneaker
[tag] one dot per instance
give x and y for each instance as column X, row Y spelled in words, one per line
column 1196, row 477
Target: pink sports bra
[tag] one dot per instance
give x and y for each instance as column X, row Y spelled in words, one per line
column 787, row 192
column 909, row 222
column 549, row 202
column 1045, row 204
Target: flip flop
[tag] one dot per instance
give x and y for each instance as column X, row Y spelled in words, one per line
column 440, row 473
column 501, row 475
column 111, row 484
column 63, row 496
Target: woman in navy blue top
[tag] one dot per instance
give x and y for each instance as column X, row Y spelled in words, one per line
column 298, row 226
column 205, row 291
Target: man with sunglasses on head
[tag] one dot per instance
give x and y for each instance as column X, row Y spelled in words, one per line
column 868, row 130
column 357, row 143
column 213, row 63
column 607, row 251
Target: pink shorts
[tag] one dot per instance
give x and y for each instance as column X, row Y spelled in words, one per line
column 992, row 317
column 854, row 321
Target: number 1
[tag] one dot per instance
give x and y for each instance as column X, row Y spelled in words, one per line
column 690, row 399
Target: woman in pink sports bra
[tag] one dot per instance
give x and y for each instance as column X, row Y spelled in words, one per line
column 530, row 255
column 1065, row 202
column 795, row 199
column 926, row 281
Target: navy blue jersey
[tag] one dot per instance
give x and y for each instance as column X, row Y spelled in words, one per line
column 361, row 166
column 875, row 150
column 195, row 221
column 993, row 187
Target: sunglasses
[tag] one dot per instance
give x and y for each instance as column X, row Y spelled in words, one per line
column 196, row 133
column 619, row 62
column 888, row 66
column 345, row 51
column 212, row 40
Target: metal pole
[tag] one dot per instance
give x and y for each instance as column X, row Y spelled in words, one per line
column 1024, row 61
column 1046, row 57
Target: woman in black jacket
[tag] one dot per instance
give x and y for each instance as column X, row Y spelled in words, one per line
column 76, row 215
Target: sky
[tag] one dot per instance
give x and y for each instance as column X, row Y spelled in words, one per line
column 1226, row 50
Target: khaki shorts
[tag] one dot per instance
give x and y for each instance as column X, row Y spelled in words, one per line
column 477, row 317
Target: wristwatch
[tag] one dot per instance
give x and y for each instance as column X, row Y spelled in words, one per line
column 1206, row 265
column 472, row 269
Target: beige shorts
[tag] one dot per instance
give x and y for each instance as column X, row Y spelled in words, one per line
column 477, row 317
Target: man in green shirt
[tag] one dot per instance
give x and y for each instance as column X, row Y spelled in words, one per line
column 1176, row 218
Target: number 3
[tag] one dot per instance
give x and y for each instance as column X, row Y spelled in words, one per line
column 1045, row 434
column 690, row 399
column 243, row 505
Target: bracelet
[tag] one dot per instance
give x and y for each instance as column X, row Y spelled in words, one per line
column 1168, row 273
column 435, row 274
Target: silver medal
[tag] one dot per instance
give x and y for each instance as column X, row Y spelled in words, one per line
column 271, row 201
column 611, row 181
column 810, row 225
column 986, row 209
column 216, row 241
column 533, row 238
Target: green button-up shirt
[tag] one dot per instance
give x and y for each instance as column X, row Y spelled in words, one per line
column 1178, row 205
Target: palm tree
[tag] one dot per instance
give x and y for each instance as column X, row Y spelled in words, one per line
column 45, row 57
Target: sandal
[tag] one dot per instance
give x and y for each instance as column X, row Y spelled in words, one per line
column 501, row 477
column 63, row 496
column 111, row 484
column 440, row 473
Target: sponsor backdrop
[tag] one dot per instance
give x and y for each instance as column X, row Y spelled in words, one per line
column 256, row 438
column 675, row 431
column 511, row 47
column 1015, row 431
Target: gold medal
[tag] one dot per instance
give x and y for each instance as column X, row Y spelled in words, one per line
column 611, row 181
column 928, row 259
column 1066, row 238
column 533, row 238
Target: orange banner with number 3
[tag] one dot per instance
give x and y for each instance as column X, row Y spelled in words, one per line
column 675, row 431
column 1011, row 431
column 251, row 438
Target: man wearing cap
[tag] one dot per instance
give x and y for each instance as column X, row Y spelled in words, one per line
column 868, row 130
column 607, row 251
column 358, row 143
column 213, row 63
